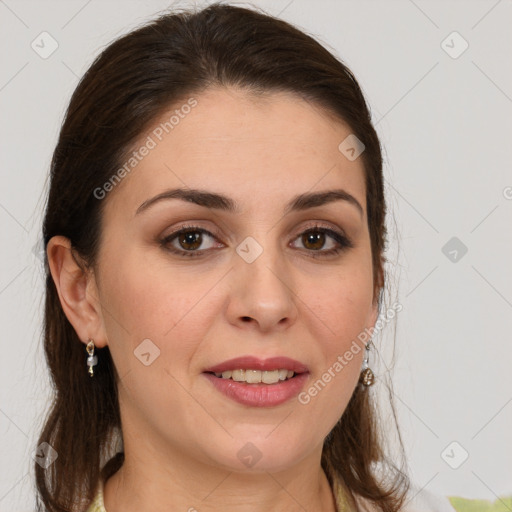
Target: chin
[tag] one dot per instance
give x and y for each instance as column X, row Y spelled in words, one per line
column 262, row 453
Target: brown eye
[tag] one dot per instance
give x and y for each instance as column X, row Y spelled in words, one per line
column 188, row 240
column 315, row 238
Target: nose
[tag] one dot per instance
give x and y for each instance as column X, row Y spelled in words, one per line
column 262, row 292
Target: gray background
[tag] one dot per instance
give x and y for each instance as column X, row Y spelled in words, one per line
column 445, row 124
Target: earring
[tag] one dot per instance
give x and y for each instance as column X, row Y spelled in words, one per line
column 92, row 360
column 367, row 377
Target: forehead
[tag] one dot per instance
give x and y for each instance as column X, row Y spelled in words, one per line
column 252, row 148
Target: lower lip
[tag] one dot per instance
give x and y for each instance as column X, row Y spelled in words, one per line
column 259, row 395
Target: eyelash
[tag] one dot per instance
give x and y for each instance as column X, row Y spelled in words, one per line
column 342, row 240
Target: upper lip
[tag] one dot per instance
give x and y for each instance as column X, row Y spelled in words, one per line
column 254, row 363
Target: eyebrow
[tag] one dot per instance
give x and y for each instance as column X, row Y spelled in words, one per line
column 220, row 202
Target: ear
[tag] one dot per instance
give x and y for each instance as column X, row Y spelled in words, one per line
column 374, row 313
column 77, row 289
column 379, row 286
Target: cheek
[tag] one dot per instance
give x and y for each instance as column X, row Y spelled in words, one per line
column 338, row 315
column 144, row 301
column 147, row 301
column 341, row 305
column 338, row 318
column 153, row 327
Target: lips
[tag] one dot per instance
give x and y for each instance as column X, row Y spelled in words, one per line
column 254, row 363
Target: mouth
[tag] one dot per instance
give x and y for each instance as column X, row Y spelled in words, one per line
column 253, row 370
column 259, row 383
column 251, row 376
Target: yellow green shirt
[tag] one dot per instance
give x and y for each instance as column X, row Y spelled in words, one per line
column 97, row 504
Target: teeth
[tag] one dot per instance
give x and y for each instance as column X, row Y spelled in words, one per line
column 270, row 377
column 256, row 376
column 238, row 375
column 252, row 376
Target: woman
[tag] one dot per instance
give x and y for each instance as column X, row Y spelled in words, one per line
column 214, row 234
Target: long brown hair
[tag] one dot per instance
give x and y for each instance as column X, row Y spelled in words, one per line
column 133, row 81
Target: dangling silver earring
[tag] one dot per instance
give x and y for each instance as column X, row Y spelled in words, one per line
column 367, row 377
column 92, row 360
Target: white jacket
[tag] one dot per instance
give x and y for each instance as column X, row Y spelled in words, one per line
column 418, row 500
column 422, row 500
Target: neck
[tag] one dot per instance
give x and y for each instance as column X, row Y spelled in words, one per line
column 148, row 483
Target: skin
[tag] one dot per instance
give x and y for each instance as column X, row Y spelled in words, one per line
column 181, row 436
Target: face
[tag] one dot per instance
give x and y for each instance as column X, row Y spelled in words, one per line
column 266, row 278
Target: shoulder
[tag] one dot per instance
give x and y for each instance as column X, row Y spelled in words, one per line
column 422, row 500
column 417, row 500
